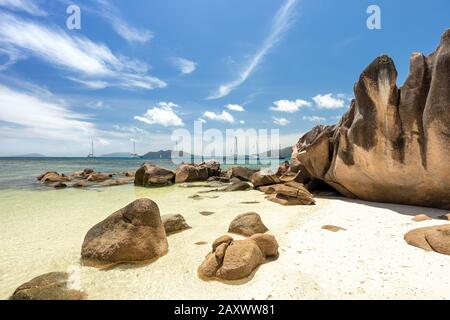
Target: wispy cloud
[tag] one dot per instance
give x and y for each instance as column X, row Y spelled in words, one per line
column 280, row 24
column 314, row 119
column 235, row 107
column 184, row 65
column 280, row 121
column 289, row 106
column 42, row 118
column 94, row 63
column 27, row 6
column 224, row 116
column 11, row 55
column 108, row 11
column 328, row 101
column 164, row 114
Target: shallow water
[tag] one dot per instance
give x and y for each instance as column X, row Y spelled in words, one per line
column 42, row 231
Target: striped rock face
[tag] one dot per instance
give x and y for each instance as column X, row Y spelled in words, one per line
column 393, row 145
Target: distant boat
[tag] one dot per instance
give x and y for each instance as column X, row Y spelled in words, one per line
column 134, row 155
column 91, row 155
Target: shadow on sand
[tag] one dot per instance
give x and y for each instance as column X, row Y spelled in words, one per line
column 407, row 210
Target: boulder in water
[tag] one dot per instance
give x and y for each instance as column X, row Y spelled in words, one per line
column 132, row 234
column 174, row 223
column 50, row 286
column 149, row 175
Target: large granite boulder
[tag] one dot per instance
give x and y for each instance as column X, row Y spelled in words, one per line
column 241, row 173
column 264, row 178
column 237, row 259
column 393, row 144
column 50, row 286
column 149, row 175
column 132, row 234
column 435, row 238
column 191, row 173
column 247, row 224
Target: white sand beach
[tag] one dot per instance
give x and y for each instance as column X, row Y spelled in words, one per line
column 42, row 231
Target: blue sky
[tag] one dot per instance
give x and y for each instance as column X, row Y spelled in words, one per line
column 140, row 69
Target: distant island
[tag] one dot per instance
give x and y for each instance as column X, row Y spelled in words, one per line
column 284, row 153
column 30, row 155
column 117, row 155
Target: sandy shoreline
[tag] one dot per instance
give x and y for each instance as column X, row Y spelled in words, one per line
column 369, row 260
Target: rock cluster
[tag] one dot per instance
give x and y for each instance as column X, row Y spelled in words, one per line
column 85, row 178
column 237, row 259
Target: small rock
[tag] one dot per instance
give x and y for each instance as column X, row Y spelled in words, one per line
column 421, row 217
column 50, row 286
column 333, row 228
column 435, row 238
column 60, row 185
column 174, row 223
column 247, row 224
column 206, row 213
column 445, row 217
column 238, row 186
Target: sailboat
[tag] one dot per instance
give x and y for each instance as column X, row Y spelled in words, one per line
column 134, row 154
column 91, row 155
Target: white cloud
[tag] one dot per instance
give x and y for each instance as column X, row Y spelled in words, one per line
column 93, row 84
column 110, row 13
column 23, row 5
column 184, row 65
column 289, row 106
column 280, row 24
column 201, row 120
column 328, row 101
column 280, row 121
column 163, row 115
column 12, row 56
column 235, row 107
column 37, row 117
column 314, row 119
column 222, row 117
column 242, row 122
column 95, row 65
